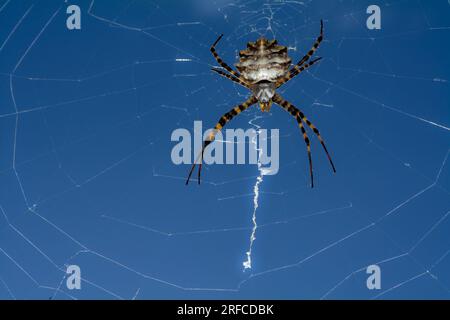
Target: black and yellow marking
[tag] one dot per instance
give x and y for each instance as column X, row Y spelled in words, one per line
column 220, row 124
column 308, row 147
column 231, row 77
column 300, row 116
column 220, row 61
column 305, row 66
column 296, row 71
column 314, row 47
column 230, row 115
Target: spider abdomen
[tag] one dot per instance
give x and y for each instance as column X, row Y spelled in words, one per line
column 263, row 60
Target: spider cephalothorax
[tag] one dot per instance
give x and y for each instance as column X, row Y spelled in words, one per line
column 263, row 67
column 264, row 91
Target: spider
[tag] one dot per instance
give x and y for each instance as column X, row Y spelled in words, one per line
column 263, row 67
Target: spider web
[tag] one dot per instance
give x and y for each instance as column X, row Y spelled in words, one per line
column 86, row 175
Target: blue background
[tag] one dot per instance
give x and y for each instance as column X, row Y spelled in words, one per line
column 86, row 176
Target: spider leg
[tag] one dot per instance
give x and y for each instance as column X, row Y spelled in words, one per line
column 308, row 148
column 296, row 72
column 299, row 116
column 222, row 122
column 313, row 48
column 296, row 68
column 307, row 142
column 231, row 77
column 220, row 61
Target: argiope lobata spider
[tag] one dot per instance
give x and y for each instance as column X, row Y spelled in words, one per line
column 263, row 67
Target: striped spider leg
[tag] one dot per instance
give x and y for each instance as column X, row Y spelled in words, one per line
column 220, row 61
column 300, row 67
column 218, row 127
column 300, row 117
column 231, row 77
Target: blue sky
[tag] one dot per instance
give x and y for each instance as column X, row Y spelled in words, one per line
column 86, row 176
